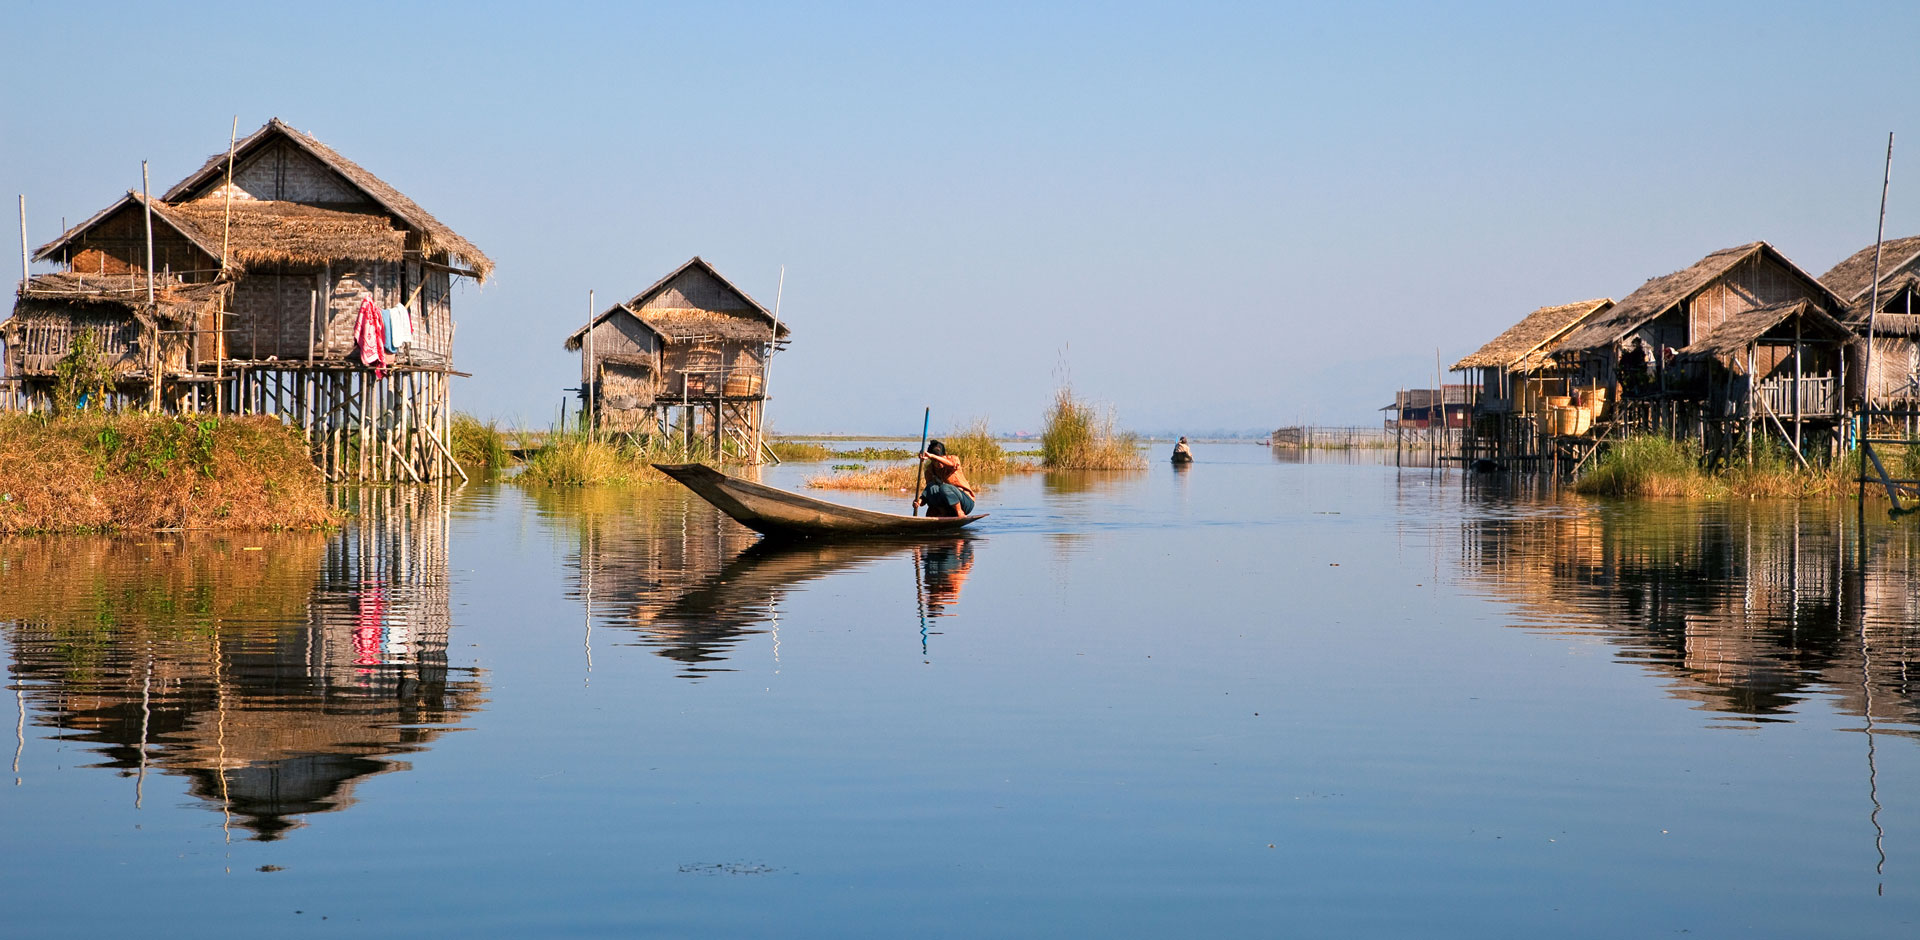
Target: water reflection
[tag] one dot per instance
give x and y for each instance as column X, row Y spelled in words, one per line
column 272, row 672
column 694, row 585
column 1748, row 608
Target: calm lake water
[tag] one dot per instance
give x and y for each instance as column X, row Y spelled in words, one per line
column 1251, row 698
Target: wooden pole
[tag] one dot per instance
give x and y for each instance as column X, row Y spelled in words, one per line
column 593, row 370
column 226, row 222
column 1879, row 240
column 766, row 370
column 926, row 422
column 146, row 199
column 26, row 272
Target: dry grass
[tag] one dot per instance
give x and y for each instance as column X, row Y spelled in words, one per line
column 99, row 473
column 898, row 477
column 1080, row 436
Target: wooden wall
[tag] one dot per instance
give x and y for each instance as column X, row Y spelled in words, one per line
column 118, row 245
column 1756, row 282
column 617, row 335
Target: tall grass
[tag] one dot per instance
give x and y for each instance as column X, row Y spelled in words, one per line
column 479, row 445
column 1080, row 436
column 1646, row 466
column 1657, row 466
column 571, row 458
column 976, row 447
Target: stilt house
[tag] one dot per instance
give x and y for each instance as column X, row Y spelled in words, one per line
column 1518, row 383
column 1627, row 357
column 1895, row 379
column 261, row 263
column 1779, row 368
column 693, row 347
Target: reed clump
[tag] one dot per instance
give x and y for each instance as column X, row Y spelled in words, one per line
column 93, row 472
column 1081, row 436
column 479, row 444
column 1646, row 466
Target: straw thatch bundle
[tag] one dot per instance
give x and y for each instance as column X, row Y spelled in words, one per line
column 272, row 232
column 1522, row 341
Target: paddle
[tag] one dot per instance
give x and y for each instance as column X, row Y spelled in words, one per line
column 920, row 464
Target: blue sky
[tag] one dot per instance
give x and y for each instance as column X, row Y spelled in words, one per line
column 1207, row 215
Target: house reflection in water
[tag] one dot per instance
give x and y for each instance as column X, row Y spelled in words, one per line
column 1748, row 608
column 694, row 584
column 274, row 671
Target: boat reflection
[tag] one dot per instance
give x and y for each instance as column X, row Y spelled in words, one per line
column 1747, row 608
column 273, row 672
column 693, row 584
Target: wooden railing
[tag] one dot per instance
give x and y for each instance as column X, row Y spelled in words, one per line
column 1817, row 395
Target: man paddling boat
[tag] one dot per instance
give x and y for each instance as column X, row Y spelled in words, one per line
column 947, row 492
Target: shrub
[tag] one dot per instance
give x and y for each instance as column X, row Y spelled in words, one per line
column 478, row 445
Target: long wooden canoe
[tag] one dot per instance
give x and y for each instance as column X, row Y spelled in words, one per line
column 776, row 512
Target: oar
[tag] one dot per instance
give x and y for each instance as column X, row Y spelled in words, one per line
column 926, row 421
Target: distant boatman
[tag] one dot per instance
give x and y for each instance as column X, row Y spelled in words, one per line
column 947, row 493
column 1182, row 453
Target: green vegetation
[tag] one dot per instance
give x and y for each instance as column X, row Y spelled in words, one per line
column 81, row 378
column 576, row 459
column 1657, row 466
column 976, row 448
column 478, row 445
column 800, row 451
column 1079, row 436
column 92, row 472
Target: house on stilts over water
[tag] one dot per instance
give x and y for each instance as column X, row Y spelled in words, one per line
column 1895, row 382
column 1521, row 395
column 280, row 278
column 684, row 360
column 1743, row 342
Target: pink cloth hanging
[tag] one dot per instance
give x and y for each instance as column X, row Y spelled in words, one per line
column 370, row 336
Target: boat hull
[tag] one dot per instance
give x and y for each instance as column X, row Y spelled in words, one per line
column 776, row 512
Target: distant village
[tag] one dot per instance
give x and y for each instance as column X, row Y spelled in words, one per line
column 1740, row 347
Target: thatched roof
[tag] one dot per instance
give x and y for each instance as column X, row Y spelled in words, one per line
column 58, row 293
column 271, row 232
column 1730, row 339
column 1663, row 293
column 1906, row 325
column 683, row 324
column 163, row 213
column 1536, row 330
column 435, row 236
column 1852, row 279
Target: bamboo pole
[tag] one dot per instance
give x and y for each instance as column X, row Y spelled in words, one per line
column 26, row 271
column 593, row 370
column 146, row 200
column 226, row 221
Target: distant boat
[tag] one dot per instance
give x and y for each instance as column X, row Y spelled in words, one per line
column 778, row 513
column 1179, row 457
